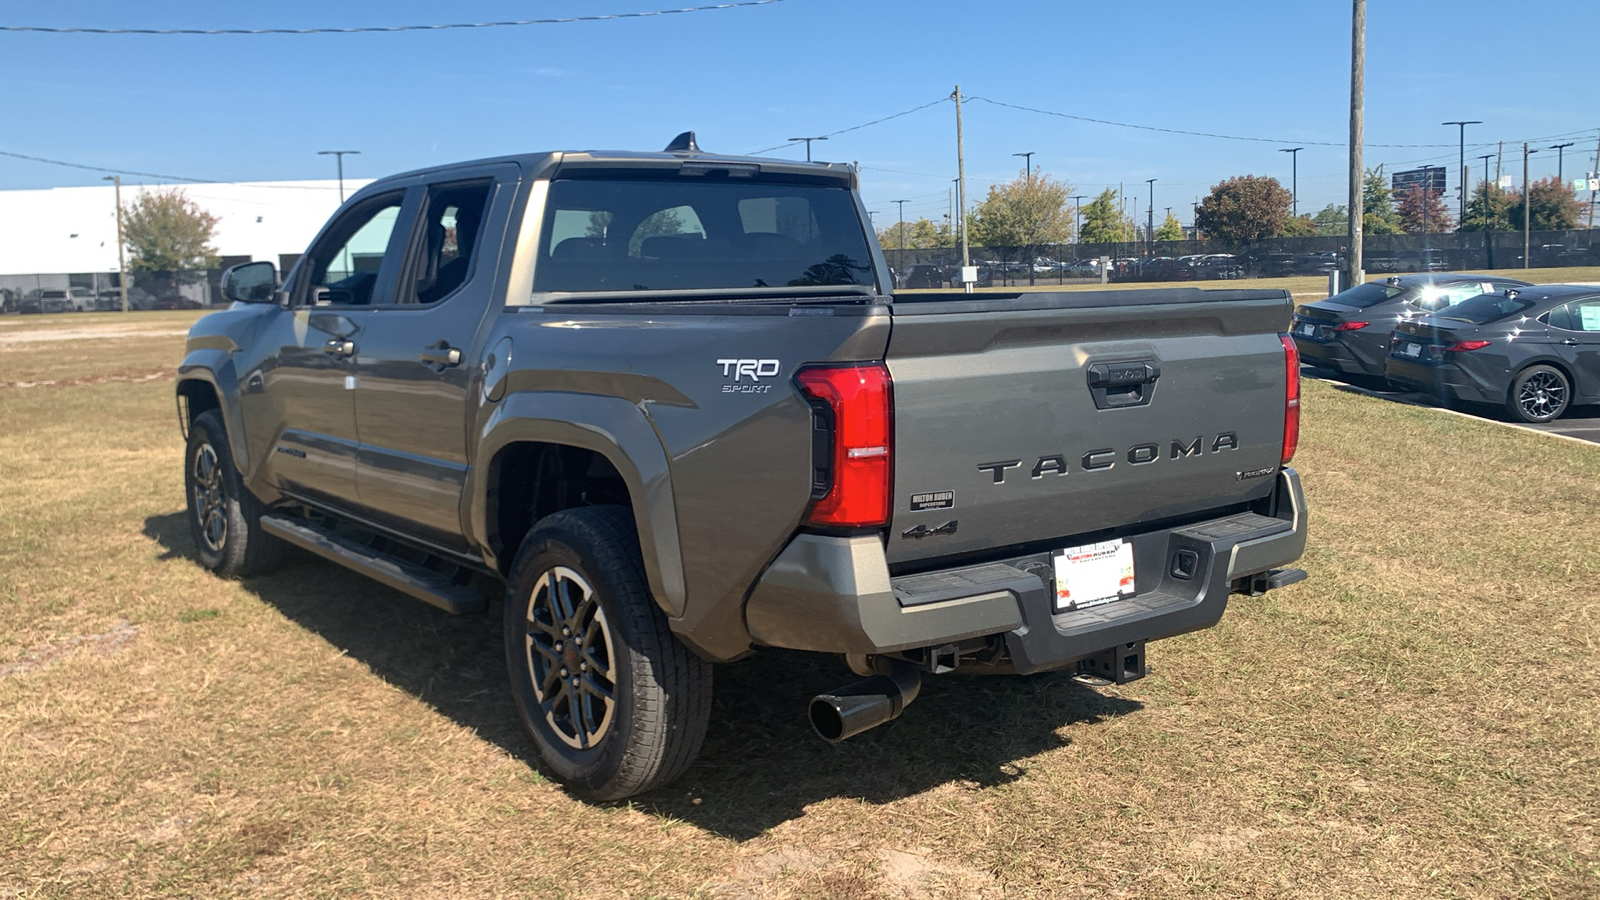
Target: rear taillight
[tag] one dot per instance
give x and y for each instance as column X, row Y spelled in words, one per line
column 1351, row 326
column 1291, row 398
column 854, row 446
column 1460, row 346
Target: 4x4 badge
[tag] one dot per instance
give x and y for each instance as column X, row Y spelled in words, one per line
column 921, row 531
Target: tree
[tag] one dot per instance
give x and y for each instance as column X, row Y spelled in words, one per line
column 1028, row 213
column 1377, row 205
column 1489, row 209
column 1332, row 221
column 1423, row 211
column 1103, row 221
column 1244, row 209
column 918, row 235
column 1553, row 208
column 1170, row 229
column 1298, row 226
column 169, row 236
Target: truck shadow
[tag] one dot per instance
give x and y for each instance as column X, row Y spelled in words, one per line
column 761, row 764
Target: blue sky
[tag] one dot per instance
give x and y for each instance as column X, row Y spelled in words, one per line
column 253, row 108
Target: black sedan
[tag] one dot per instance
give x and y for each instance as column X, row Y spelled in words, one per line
column 1349, row 332
column 1536, row 350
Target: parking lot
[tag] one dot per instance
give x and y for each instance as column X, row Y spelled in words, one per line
column 1580, row 422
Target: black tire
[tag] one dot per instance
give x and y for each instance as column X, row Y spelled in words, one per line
column 586, row 562
column 1538, row 394
column 224, row 517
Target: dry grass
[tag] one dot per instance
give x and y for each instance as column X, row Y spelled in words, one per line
column 1420, row 718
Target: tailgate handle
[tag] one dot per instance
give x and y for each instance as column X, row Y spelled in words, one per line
column 1118, row 385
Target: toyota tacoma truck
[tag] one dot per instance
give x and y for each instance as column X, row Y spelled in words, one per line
column 671, row 402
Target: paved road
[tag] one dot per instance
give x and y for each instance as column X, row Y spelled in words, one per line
column 1581, row 422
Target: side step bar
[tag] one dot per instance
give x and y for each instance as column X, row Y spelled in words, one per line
column 421, row 583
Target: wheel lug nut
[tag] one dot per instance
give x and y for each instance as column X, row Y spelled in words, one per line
column 563, row 673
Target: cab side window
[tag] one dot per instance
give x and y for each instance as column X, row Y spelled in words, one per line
column 345, row 264
column 1584, row 315
column 452, row 225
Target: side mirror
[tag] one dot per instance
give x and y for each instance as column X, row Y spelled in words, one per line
column 253, row 282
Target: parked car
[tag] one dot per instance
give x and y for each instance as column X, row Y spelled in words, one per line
column 1536, row 350
column 1218, row 267
column 1349, row 332
column 176, row 301
column 72, row 299
column 8, row 300
column 706, row 445
column 922, row 276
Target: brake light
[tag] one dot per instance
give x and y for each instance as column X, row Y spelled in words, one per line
column 1291, row 398
column 1460, row 346
column 1351, row 326
column 855, row 487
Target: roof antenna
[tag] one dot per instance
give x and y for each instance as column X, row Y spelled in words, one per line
column 683, row 143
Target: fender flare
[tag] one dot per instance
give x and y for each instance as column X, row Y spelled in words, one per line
column 619, row 431
column 215, row 367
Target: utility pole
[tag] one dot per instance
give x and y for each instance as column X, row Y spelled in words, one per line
column 1027, row 160
column 961, row 189
column 339, row 155
column 1592, row 194
column 1527, row 263
column 1294, row 175
column 1499, row 159
column 902, row 222
column 1461, row 159
column 1358, row 57
column 122, row 265
column 1488, row 213
column 1561, row 153
column 1077, row 217
column 808, row 141
column 1150, row 218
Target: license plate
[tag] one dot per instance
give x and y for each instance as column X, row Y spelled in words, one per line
column 1093, row 574
column 1412, row 350
column 1308, row 330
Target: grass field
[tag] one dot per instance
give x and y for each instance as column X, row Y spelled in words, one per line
column 1421, row 718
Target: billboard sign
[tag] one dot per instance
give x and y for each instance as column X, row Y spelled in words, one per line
column 1429, row 178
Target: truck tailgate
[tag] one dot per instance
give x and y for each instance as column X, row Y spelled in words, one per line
column 1041, row 417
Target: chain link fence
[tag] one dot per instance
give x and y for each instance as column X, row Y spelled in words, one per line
column 102, row 291
column 1203, row 260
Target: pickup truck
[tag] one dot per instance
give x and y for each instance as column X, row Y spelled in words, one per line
column 671, row 403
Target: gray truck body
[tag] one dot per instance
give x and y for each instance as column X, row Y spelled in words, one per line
column 451, row 427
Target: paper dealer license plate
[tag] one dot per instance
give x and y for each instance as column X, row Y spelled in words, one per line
column 1308, row 330
column 1412, row 350
column 1093, row 574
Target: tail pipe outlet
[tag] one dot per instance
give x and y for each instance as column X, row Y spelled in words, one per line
column 847, row 711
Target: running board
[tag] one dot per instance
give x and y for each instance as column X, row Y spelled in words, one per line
column 418, row 581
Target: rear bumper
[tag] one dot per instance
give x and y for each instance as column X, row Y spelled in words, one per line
column 835, row 594
column 1449, row 380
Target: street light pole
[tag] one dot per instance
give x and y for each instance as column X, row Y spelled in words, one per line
column 1294, row 175
column 1027, row 161
column 1461, row 158
column 339, row 155
column 808, row 141
column 1526, row 206
column 1561, row 152
column 1150, row 215
column 122, row 265
column 902, row 241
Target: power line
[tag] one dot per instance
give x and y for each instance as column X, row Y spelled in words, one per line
column 1209, row 134
column 157, row 176
column 829, row 134
column 385, row 29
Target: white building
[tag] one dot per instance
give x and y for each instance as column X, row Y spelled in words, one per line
column 73, row 230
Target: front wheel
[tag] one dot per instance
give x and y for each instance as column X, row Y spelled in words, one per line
column 1538, row 394
column 612, row 701
column 224, row 517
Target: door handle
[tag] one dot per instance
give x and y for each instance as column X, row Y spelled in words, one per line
column 339, row 347
column 1570, row 342
column 441, row 354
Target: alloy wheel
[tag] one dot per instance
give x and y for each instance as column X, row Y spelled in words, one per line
column 570, row 658
column 210, row 498
column 1542, row 396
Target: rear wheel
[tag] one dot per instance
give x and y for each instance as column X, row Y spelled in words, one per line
column 614, row 703
column 1538, row 394
column 224, row 517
